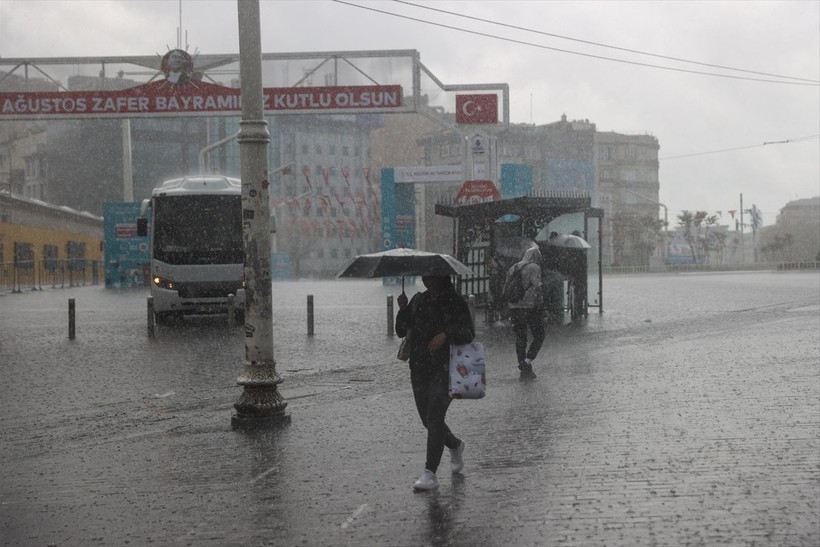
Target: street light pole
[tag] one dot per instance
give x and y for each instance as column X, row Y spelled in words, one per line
column 260, row 404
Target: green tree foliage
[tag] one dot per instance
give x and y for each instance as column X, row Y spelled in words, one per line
column 635, row 238
column 779, row 249
column 698, row 233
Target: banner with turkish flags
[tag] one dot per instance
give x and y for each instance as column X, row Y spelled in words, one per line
column 480, row 108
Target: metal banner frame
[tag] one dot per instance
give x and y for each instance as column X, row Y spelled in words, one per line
column 22, row 79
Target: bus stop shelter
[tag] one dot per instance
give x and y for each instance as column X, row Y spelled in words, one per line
column 491, row 236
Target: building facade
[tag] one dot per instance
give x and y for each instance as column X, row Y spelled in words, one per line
column 568, row 157
column 627, row 189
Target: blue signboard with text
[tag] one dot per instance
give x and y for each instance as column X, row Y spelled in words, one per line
column 126, row 254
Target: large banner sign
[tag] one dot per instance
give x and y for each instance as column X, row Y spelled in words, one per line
column 161, row 98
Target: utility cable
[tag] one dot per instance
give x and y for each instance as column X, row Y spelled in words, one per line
column 590, row 55
column 767, row 143
column 599, row 44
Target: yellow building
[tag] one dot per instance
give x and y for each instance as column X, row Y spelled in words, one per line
column 46, row 245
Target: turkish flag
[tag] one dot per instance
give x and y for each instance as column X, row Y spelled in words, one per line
column 477, row 108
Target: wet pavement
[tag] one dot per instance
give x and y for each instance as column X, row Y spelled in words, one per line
column 687, row 414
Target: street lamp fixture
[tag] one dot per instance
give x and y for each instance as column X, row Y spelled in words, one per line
column 285, row 169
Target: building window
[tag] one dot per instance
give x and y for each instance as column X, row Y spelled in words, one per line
column 331, row 149
column 50, row 255
column 23, row 255
column 75, row 252
column 334, row 253
column 345, row 150
column 318, row 149
column 305, row 149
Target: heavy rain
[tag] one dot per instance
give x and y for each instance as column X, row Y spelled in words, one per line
column 217, row 225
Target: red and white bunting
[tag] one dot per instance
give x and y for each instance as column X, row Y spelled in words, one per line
column 306, row 173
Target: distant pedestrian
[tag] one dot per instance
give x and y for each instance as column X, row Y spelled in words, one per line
column 527, row 313
column 435, row 319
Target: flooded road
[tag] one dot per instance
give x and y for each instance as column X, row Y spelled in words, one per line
column 686, row 413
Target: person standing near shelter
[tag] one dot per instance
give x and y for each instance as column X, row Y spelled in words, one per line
column 434, row 319
column 527, row 313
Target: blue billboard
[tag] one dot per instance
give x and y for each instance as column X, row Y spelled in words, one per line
column 126, row 254
column 515, row 180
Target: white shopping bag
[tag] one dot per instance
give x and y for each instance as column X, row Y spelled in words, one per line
column 467, row 379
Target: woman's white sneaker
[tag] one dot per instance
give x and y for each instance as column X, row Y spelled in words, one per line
column 456, row 458
column 427, row 481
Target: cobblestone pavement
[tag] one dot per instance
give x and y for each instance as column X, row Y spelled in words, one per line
column 693, row 427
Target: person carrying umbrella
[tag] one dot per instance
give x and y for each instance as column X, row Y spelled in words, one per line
column 435, row 318
column 528, row 312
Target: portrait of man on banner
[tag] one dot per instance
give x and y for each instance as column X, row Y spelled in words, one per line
column 178, row 67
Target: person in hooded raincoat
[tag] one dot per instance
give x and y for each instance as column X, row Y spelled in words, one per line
column 435, row 319
column 527, row 314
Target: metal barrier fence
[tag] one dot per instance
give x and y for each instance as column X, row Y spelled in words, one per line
column 30, row 275
column 682, row 268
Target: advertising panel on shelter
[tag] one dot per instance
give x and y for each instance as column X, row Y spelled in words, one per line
column 126, row 253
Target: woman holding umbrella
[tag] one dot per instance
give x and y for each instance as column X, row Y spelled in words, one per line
column 435, row 319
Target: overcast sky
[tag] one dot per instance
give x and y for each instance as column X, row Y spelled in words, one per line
column 719, row 123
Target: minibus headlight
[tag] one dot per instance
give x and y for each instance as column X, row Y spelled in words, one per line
column 164, row 283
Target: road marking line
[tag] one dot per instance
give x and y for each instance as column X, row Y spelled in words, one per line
column 263, row 475
column 355, row 514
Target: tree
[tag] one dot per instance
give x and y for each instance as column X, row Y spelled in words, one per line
column 686, row 221
column 779, row 249
column 634, row 238
column 696, row 233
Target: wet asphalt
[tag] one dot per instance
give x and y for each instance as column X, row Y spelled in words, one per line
column 688, row 413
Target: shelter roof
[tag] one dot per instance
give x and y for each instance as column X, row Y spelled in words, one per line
column 542, row 207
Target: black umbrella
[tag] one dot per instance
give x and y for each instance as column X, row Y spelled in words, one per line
column 401, row 262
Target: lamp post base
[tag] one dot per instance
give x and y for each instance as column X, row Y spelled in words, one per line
column 252, row 422
column 261, row 404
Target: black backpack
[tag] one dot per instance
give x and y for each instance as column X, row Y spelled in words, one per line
column 514, row 288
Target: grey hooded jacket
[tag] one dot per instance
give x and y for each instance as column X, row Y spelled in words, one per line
column 531, row 276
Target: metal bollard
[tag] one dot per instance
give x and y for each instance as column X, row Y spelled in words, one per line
column 310, row 315
column 71, row 318
column 150, row 308
column 471, row 305
column 231, row 311
column 390, row 330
